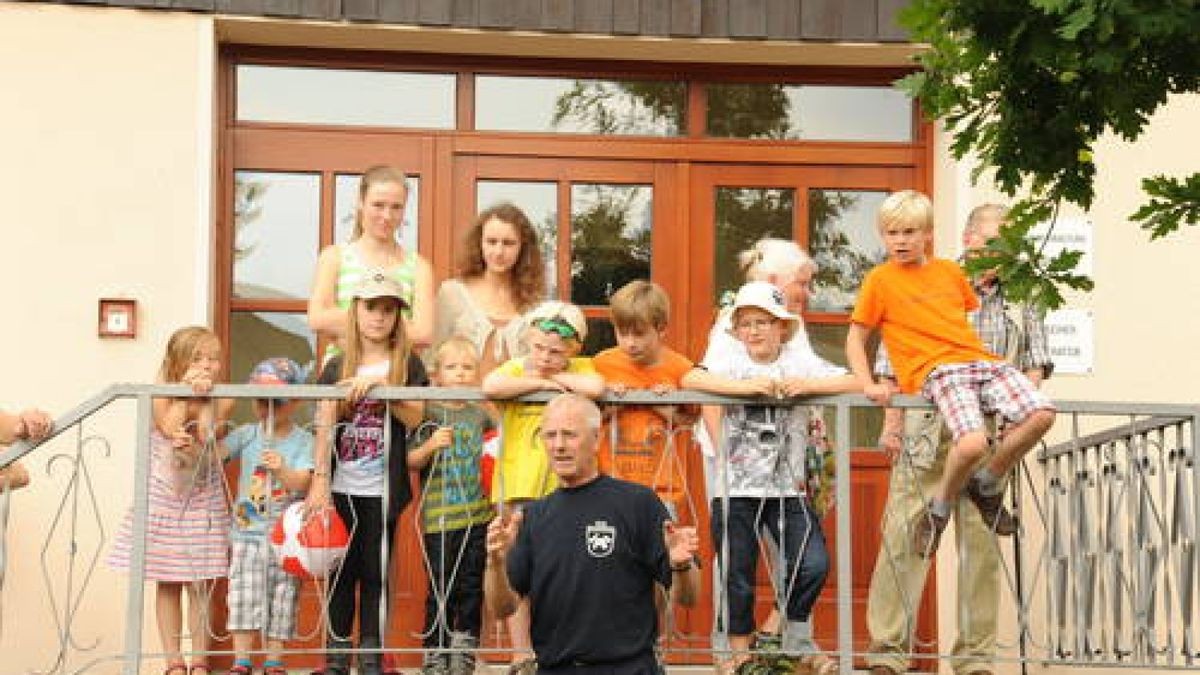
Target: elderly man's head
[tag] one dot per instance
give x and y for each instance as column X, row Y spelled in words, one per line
column 570, row 433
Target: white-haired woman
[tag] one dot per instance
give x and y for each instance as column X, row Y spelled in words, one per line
column 787, row 267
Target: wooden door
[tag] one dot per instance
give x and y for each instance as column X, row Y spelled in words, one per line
column 830, row 211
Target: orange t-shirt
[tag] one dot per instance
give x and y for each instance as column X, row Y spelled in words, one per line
column 641, row 440
column 921, row 312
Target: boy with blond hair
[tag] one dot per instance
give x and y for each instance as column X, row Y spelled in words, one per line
column 553, row 339
column 634, row 444
column 919, row 304
column 455, row 511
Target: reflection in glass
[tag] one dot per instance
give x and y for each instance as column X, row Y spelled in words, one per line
column 743, row 216
column 600, row 336
column 254, row 336
column 539, row 201
column 845, row 243
column 353, row 97
column 276, row 217
column 829, row 341
column 610, row 239
column 345, row 209
column 636, row 108
column 809, row 112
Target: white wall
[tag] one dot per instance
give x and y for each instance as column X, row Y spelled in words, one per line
column 105, row 190
column 1145, row 302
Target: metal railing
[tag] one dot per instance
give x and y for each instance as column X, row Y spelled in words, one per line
column 1103, row 574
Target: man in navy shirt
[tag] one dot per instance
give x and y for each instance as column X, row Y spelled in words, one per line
column 590, row 557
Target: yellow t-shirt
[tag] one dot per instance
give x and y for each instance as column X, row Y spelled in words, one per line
column 522, row 470
column 921, row 312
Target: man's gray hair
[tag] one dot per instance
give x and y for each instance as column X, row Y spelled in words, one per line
column 592, row 417
column 982, row 211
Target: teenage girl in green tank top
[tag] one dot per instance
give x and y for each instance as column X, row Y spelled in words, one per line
column 372, row 249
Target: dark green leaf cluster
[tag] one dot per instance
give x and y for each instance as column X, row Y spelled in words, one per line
column 1171, row 202
column 1029, row 85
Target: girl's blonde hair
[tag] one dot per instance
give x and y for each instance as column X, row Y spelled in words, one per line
column 373, row 176
column 399, row 347
column 181, row 347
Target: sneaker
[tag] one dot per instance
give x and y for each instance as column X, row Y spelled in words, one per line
column 462, row 658
column 435, row 664
column 991, row 507
column 927, row 532
column 525, row 667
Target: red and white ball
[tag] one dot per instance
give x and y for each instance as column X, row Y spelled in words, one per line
column 309, row 547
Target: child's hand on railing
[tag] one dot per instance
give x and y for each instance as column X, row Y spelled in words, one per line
column 359, row 386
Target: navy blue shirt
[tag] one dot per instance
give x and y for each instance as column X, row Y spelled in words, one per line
column 588, row 559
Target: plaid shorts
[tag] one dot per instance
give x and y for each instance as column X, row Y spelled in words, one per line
column 261, row 595
column 964, row 392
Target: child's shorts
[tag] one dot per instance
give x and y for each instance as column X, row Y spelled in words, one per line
column 261, row 595
column 964, row 392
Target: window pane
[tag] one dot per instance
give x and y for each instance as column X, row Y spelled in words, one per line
column 276, row 218
column 254, row 336
column 638, row 108
column 744, row 215
column 809, row 112
column 345, row 210
column 610, row 239
column 539, row 201
column 354, row 97
column 601, row 336
column 844, row 240
column 829, row 341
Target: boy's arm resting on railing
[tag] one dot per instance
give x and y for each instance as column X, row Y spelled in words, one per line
column 502, row 385
column 856, row 356
column 584, row 384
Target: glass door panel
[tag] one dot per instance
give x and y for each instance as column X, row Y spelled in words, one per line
column 830, row 212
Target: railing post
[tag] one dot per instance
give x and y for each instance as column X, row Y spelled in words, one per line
column 1194, row 453
column 137, row 549
column 845, row 605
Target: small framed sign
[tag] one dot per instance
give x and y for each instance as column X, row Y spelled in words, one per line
column 118, row 318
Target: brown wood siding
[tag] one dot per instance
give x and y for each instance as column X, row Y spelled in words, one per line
column 772, row 20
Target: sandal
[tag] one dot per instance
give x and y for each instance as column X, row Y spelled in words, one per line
column 525, row 667
column 817, row 664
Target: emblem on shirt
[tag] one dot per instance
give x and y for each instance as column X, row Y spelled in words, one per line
column 601, row 539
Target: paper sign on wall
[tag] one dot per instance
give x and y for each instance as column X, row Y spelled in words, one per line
column 1070, row 232
column 1070, row 335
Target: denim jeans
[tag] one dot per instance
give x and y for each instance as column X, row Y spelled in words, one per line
column 806, row 561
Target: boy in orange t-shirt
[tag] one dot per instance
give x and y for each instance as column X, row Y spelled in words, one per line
column 920, row 306
column 634, row 443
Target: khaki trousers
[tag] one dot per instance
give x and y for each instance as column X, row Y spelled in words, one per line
column 900, row 573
